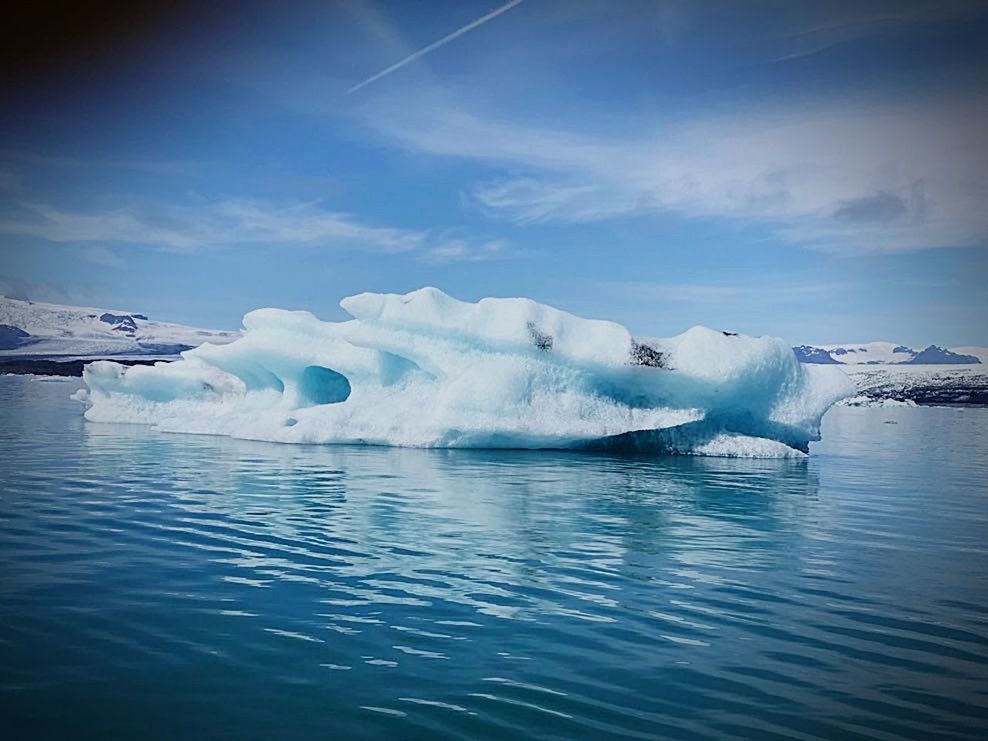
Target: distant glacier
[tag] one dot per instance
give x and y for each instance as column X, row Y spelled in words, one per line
column 38, row 329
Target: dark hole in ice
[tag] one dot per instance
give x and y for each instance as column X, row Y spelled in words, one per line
column 644, row 355
column 320, row 385
column 539, row 339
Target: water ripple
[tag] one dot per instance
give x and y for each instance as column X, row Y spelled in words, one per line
column 168, row 586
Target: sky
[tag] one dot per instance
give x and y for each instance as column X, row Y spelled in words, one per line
column 814, row 171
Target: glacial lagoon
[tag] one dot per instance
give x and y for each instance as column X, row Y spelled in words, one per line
column 158, row 585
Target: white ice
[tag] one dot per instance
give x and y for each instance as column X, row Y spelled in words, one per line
column 424, row 369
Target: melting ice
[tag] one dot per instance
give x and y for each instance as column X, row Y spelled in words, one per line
column 424, row 369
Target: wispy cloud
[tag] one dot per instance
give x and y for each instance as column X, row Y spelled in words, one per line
column 816, row 29
column 43, row 290
column 779, row 292
column 435, row 45
column 464, row 250
column 237, row 222
column 102, row 255
column 881, row 207
column 873, row 176
column 187, row 227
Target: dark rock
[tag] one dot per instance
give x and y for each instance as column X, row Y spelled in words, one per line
column 11, row 337
column 810, row 354
column 642, row 354
column 109, row 318
column 540, row 340
column 163, row 348
column 43, row 367
column 934, row 355
column 121, row 323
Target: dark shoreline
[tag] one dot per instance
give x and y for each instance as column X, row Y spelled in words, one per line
column 966, row 392
column 70, row 368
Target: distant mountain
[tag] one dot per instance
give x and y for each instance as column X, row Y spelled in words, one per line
column 981, row 353
column 934, row 355
column 32, row 328
column 887, row 353
column 810, row 354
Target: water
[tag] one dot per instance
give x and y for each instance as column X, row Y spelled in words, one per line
column 170, row 586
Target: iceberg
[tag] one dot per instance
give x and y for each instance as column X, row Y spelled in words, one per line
column 424, row 369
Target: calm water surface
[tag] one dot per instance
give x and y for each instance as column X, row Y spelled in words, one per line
column 168, row 586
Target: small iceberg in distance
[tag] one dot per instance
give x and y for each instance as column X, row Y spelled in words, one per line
column 426, row 370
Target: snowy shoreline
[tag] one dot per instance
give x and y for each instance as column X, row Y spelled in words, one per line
column 923, row 385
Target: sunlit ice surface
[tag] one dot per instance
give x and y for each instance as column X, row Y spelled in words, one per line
column 426, row 370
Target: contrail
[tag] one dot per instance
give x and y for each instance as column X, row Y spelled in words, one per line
column 435, row 45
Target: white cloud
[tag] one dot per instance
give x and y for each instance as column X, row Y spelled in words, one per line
column 869, row 176
column 226, row 222
column 462, row 250
column 238, row 221
column 818, row 27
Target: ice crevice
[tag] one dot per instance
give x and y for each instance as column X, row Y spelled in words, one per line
column 424, row 369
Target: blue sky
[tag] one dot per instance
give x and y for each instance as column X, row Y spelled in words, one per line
column 812, row 171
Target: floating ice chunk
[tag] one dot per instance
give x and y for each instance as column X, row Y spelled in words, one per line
column 424, row 369
column 868, row 401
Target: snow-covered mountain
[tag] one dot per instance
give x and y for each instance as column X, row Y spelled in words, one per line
column 52, row 330
column 889, row 353
column 981, row 353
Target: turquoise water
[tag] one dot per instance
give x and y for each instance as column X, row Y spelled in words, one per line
column 170, row 586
